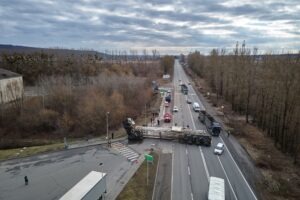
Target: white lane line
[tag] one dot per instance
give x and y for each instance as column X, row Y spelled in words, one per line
column 192, row 196
column 227, row 179
column 186, row 151
column 239, row 170
column 172, row 174
column 189, row 171
column 192, row 118
column 155, row 177
column 204, row 162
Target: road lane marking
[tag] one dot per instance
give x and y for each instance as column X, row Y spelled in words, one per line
column 156, row 176
column 189, row 171
column 192, row 118
column 192, row 196
column 186, row 151
column 172, row 174
column 239, row 170
column 204, row 162
column 227, row 178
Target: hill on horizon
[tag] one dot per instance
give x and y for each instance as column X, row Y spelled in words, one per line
column 10, row 49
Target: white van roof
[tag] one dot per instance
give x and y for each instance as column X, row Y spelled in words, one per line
column 216, row 189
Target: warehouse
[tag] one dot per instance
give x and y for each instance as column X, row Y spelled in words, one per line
column 11, row 86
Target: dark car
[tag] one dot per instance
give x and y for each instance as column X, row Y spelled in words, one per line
column 188, row 101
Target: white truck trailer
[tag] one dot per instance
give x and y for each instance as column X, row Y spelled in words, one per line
column 91, row 187
column 216, row 189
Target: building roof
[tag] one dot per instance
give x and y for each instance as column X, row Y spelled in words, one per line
column 7, row 74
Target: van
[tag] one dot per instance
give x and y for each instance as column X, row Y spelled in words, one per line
column 196, row 107
column 216, row 190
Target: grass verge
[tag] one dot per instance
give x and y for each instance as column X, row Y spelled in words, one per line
column 137, row 187
column 28, row 151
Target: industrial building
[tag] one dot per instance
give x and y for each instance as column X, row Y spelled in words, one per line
column 11, row 86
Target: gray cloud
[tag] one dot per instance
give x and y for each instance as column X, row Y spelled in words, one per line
column 162, row 24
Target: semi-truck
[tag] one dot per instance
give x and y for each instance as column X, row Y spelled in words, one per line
column 216, row 190
column 213, row 127
column 184, row 135
column 184, row 89
column 92, row 186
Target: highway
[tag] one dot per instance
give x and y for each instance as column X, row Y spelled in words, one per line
column 193, row 165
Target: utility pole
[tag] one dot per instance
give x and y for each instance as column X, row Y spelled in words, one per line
column 107, row 113
column 145, row 114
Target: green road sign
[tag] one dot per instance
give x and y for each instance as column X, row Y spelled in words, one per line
column 149, row 158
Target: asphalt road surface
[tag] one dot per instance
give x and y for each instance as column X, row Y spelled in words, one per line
column 51, row 175
column 193, row 165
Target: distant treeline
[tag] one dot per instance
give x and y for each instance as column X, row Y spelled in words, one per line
column 38, row 64
column 263, row 87
column 74, row 93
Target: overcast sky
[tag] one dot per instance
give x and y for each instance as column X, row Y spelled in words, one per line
column 168, row 26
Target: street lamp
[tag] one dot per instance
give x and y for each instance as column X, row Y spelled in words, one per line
column 107, row 113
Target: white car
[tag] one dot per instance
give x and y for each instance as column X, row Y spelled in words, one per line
column 219, row 149
column 175, row 109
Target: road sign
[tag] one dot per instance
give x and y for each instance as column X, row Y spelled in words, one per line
column 148, row 158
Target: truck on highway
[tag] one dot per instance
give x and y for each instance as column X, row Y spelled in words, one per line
column 213, row 127
column 216, row 190
column 92, row 186
column 184, row 135
column 184, row 89
column 198, row 137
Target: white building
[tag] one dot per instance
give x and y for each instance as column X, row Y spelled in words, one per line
column 11, row 86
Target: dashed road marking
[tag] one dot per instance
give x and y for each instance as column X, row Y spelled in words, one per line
column 239, row 170
column 204, row 162
column 227, row 179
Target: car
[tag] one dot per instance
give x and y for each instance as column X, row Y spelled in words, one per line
column 175, row 109
column 167, row 117
column 188, row 101
column 219, row 149
column 166, row 104
column 196, row 107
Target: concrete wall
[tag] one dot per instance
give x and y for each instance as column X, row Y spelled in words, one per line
column 11, row 89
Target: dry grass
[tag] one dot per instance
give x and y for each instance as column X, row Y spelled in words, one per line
column 29, row 151
column 137, row 187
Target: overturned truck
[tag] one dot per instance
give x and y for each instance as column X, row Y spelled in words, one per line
column 184, row 135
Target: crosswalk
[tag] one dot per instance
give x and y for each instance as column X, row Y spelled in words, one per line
column 125, row 151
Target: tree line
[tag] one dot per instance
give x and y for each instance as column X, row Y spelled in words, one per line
column 74, row 94
column 263, row 87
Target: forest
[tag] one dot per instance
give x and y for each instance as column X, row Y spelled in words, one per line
column 73, row 93
column 265, row 88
